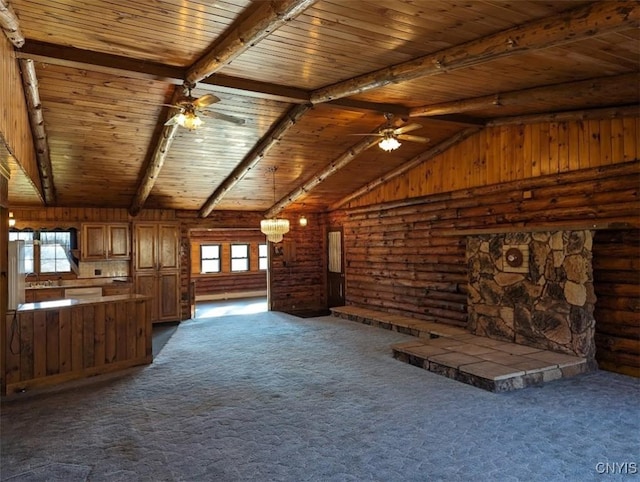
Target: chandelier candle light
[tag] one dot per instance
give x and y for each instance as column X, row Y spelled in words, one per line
column 274, row 228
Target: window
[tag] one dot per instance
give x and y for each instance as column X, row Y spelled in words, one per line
column 47, row 251
column 54, row 247
column 210, row 258
column 263, row 261
column 239, row 257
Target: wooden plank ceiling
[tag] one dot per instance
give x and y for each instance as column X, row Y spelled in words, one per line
column 107, row 71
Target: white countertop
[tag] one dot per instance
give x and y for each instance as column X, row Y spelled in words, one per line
column 68, row 302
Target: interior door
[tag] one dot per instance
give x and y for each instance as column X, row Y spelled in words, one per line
column 336, row 295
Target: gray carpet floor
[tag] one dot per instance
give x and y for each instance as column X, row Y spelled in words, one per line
column 272, row 397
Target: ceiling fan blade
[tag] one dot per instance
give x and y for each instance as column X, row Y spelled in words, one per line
column 205, row 100
column 225, row 117
column 407, row 128
column 374, row 134
column 406, row 137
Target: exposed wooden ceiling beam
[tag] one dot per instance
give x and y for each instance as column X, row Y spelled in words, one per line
column 135, row 69
column 265, row 19
column 585, row 114
column 558, row 93
column 419, row 159
column 38, row 131
column 344, row 159
column 160, row 151
column 10, row 24
column 256, row 154
column 592, row 20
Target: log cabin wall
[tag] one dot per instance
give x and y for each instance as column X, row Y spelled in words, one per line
column 228, row 284
column 401, row 257
column 14, row 120
column 297, row 269
column 616, row 275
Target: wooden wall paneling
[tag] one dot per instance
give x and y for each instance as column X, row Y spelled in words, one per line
column 14, row 120
column 100, row 340
column 605, row 142
column 630, row 140
column 110, row 342
column 26, row 346
column 65, row 341
column 616, row 259
column 53, row 342
column 39, row 344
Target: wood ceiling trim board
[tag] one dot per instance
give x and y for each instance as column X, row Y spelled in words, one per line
column 577, row 24
column 266, row 18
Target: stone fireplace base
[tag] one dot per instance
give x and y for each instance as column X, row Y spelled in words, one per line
column 534, row 289
column 453, row 352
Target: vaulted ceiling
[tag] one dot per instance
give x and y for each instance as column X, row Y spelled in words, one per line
column 306, row 76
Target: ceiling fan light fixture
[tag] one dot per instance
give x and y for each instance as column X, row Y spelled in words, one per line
column 189, row 120
column 389, row 143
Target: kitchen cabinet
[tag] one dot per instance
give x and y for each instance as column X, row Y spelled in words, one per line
column 156, row 264
column 105, row 241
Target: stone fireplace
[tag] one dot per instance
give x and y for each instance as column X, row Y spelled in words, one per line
column 533, row 288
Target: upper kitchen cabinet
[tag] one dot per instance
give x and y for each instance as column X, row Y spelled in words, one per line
column 105, row 241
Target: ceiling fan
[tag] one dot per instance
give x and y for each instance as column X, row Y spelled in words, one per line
column 190, row 106
column 391, row 135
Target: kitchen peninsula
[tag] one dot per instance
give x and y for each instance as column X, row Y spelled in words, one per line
column 51, row 342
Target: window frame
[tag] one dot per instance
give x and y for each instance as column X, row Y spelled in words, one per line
column 247, row 246
column 265, row 257
column 219, row 258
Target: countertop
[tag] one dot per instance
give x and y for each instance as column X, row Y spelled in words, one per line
column 78, row 285
column 68, row 302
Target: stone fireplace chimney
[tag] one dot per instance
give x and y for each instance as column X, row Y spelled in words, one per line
column 533, row 288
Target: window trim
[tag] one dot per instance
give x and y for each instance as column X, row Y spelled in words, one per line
column 265, row 257
column 219, row 258
column 247, row 257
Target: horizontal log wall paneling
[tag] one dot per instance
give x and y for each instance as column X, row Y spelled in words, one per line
column 401, row 257
column 616, row 260
column 509, row 153
column 298, row 267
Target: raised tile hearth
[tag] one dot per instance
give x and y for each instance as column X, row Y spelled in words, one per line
column 456, row 353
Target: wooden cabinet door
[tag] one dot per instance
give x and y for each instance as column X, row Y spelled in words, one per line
column 169, row 296
column 93, row 245
column 147, row 284
column 168, row 246
column 145, row 247
column 118, row 241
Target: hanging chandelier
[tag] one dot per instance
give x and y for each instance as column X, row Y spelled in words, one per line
column 274, row 228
